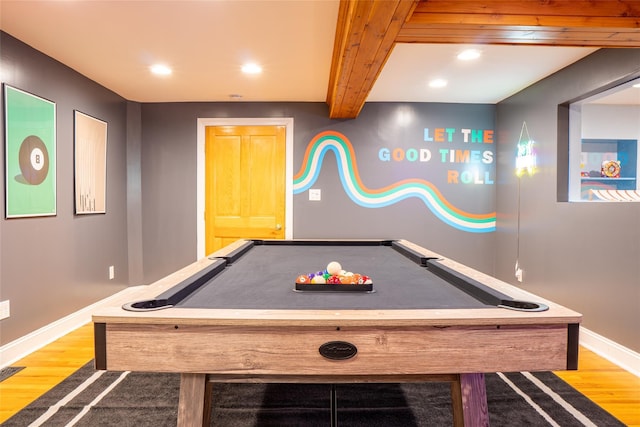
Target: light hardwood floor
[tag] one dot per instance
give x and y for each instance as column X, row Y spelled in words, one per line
column 614, row 389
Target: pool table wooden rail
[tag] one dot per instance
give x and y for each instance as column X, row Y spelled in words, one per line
column 291, row 350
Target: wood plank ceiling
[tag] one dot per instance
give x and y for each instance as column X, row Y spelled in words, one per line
column 367, row 31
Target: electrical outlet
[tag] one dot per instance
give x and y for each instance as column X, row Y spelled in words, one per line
column 5, row 309
column 112, row 272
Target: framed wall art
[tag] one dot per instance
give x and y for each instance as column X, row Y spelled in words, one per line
column 30, row 154
column 90, row 164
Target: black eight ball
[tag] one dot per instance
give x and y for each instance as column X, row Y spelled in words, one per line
column 34, row 160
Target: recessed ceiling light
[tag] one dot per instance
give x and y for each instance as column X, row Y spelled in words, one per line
column 469, row 54
column 251, row 68
column 438, row 83
column 160, row 70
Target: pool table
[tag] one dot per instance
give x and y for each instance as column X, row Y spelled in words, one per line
column 239, row 316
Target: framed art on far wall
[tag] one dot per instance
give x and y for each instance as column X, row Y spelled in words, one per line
column 30, row 154
column 90, row 164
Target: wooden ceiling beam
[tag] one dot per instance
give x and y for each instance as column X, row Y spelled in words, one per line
column 365, row 35
column 367, row 31
column 541, row 8
column 511, row 35
column 592, row 23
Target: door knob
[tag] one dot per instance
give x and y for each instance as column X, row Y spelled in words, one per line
column 278, row 227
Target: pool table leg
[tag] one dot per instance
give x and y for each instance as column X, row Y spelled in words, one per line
column 469, row 400
column 333, row 403
column 208, row 401
column 191, row 406
column 468, row 397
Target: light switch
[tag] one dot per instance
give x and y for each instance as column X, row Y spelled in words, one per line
column 315, row 194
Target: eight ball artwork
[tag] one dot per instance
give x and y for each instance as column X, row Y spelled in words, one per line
column 34, row 160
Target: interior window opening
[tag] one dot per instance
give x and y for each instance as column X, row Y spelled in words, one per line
column 604, row 130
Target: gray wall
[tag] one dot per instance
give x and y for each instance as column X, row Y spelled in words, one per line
column 53, row 266
column 169, row 196
column 583, row 255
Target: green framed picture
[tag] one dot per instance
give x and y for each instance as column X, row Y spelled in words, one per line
column 30, row 154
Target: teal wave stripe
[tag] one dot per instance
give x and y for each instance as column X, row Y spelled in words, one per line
column 331, row 141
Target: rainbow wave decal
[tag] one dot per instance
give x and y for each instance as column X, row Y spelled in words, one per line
column 378, row 198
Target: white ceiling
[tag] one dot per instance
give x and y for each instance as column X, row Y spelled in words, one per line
column 206, row 42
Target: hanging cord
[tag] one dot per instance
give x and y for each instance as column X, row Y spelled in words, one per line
column 517, row 271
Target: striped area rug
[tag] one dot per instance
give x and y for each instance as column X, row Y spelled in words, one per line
column 98, row 398
column 9, row 371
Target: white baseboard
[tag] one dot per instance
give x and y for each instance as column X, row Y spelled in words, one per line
column 15, row 350
column 625, row 358
column 23, row 346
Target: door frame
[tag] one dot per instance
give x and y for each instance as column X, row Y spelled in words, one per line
column 200, row 165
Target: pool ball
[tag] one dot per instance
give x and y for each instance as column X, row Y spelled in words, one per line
column 319, row 280
column 333, row 280
column 303, row 278
column 334, row 267
column 346, row 280
column 33, row 158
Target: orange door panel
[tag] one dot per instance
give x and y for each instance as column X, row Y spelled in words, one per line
column 244, row 184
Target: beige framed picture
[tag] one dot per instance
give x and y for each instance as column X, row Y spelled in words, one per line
column 90, row 155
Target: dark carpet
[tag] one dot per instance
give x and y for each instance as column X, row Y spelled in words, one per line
column 96, row 398
column 9, row 371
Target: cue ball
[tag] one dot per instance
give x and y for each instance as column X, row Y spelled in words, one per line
column 34, row 160
column 333, row 268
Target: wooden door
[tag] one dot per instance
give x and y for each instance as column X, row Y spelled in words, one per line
column 244, row 184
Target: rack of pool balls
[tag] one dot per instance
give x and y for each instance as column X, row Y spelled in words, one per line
column 333, row 275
